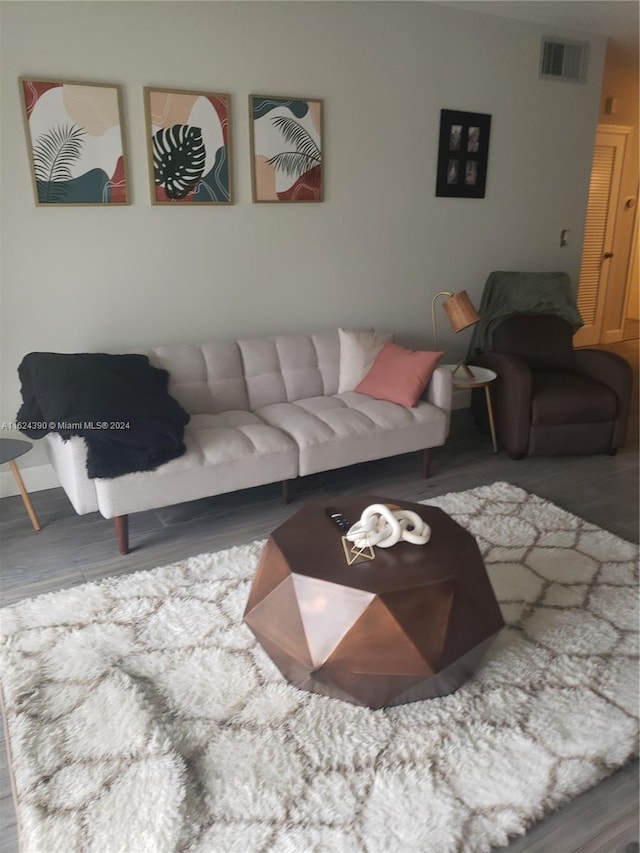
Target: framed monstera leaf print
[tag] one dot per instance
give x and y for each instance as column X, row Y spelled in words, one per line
column 189, row 145
column 286, row 148
column 75, row 141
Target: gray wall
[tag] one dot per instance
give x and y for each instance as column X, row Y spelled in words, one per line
column 372, row 254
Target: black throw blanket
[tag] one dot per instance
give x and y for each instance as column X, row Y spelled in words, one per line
column 119, row 404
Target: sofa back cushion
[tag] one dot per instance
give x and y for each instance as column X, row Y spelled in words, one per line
column 543, row 341
column 249, row 373
column 205, row 379
column 287, row 368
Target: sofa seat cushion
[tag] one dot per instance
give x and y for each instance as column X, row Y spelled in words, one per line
column 344, row 429
column 564, row 398
column 235, row 435
column 228, row 451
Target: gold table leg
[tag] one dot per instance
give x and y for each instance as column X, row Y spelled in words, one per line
column 24, row 495
column 492, row 425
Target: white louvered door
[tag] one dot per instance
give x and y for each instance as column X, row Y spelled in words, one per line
column 597, row 250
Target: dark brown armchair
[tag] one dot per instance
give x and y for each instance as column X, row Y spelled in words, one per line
column 549, row 399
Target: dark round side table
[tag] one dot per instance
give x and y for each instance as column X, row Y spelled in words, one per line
column 10, row 450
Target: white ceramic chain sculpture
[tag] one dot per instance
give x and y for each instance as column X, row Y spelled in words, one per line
column 382, row 527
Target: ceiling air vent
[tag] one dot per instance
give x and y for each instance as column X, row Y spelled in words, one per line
column 563, row 60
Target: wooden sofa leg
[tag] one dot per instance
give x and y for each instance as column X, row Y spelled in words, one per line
column 425, row 462
column 122, row 532
column 286, row 491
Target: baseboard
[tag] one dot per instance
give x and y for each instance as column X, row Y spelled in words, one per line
column 36, row 479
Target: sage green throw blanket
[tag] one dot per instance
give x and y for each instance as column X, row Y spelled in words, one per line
column 507, row 293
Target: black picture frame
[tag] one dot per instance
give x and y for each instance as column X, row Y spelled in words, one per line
column 463, row 153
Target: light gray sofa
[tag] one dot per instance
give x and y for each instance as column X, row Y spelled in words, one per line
column 262, row 410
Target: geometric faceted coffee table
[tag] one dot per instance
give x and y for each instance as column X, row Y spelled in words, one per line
column 411, row 624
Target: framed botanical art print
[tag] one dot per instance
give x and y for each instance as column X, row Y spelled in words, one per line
column 189, row 146
column 75, row 142
column 463, row 154
column 287, row 157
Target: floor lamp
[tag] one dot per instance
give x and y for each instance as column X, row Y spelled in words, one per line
column 461, row 314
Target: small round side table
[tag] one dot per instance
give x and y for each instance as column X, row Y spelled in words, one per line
column 482, row 378
column 10, row 450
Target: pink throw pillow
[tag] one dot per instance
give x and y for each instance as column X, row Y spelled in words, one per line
column 399, row 375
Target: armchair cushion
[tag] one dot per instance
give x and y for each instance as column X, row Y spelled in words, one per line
column 544, row 341
column 570, row 398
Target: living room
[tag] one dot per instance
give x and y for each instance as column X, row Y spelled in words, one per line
column 372, row 254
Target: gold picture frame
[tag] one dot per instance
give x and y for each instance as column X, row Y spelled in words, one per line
column 75, row 142
column 188, row 146
column 287, row 149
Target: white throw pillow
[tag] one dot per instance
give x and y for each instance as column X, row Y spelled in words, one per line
column 358, row 351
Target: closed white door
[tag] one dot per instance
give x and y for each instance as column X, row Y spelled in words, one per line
column 597, row 251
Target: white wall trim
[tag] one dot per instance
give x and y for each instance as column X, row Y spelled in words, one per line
column 36, row 479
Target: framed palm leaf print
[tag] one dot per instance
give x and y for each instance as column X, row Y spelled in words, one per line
column 189, row 146
column 286, row 148
column 75, row 141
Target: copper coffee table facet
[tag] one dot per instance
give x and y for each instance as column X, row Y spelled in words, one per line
column 411, row 624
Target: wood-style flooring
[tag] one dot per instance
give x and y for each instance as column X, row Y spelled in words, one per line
column 71, row 550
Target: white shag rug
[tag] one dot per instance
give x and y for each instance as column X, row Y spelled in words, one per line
column 142, row 717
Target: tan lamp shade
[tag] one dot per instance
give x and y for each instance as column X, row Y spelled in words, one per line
column 461, row 314
column 460, row 311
